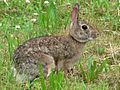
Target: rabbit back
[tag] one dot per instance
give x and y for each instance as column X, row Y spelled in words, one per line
column 59, row 47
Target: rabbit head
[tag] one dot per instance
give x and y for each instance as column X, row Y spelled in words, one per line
column 81, row 30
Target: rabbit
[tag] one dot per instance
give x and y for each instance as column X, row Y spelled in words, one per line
column 53, row 52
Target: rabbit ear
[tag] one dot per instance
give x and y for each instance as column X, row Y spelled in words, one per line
column 74, row 14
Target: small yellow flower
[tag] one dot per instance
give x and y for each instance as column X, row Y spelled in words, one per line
column 0, row 24
column 11, row 35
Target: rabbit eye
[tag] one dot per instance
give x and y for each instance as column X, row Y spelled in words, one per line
column 84, row 27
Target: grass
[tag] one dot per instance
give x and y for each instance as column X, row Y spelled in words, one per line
column 99, row 66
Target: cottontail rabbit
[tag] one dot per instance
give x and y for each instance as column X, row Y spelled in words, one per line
column 53, row 52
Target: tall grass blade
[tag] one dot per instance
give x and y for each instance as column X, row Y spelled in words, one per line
column 42, row 79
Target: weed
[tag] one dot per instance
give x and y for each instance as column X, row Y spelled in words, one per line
column 19, row 23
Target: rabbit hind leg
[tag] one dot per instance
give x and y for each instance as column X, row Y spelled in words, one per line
column 50, row 63
column 26, row 71
column 20, row 77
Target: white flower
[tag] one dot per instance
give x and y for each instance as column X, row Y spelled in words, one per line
column 68, row 3
column 27, row 1
column 33, row 20
column 35, row 14
column 17, row 26
column 46, row 2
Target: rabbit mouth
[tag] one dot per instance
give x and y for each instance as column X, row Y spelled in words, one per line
column 91, row 38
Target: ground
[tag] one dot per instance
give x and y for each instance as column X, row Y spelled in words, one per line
column 99, row 66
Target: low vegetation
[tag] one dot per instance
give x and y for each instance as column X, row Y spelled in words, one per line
column 99, row 66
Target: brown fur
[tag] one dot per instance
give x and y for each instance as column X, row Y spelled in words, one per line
column 54, row 52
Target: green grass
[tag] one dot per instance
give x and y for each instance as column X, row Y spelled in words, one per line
column 98, row 68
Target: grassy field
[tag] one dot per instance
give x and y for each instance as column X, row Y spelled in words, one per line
column 99, row 66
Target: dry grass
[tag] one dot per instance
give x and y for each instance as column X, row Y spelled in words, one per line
column 17, row 24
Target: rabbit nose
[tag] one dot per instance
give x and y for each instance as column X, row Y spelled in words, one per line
column 94, row 35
